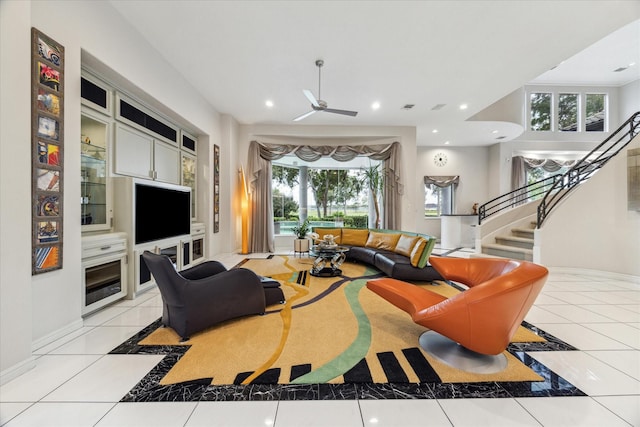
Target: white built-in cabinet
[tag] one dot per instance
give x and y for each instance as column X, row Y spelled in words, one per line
column 117, row 143
column 142, row 156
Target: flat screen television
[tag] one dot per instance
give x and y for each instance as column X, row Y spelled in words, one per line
column 161, row 211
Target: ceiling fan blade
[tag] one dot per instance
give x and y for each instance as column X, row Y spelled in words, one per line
column 302, row 116
column 345, row 112
column 310, row 97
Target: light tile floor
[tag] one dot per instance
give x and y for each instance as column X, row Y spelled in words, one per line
column 76, row 383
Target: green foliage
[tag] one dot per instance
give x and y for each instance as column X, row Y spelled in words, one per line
column 568, row 112
column 283, row 206
column 540, row 111
column 356, row 221
column 285, row 175
column 301, row 229
column 374, row 179
column 330, row 186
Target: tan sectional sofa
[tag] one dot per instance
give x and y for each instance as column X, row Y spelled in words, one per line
column 402, row 255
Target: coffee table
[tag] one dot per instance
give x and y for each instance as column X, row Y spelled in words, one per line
column 328, row 260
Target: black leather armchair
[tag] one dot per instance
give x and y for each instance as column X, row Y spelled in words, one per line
column 201, row 296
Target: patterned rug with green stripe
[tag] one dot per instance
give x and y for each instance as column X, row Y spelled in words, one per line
column 330, row 330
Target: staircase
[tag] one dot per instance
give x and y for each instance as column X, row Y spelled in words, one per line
column 516, row 245
column 517, row 241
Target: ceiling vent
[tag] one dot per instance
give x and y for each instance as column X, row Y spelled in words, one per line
column 408, row 106
column 617, row 70
column 438, row 107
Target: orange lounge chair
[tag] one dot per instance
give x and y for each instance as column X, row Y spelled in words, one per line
column 483, row 318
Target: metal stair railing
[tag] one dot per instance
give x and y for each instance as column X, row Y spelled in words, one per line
column 556, row 187
column 516, row 197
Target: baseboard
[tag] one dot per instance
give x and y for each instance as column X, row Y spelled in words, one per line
column 597, row 273
column 16, row 370
column 55, row 335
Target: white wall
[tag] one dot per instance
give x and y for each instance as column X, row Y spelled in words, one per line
column 15, row 186
column 470, row 163
column 629, row 99
column 37, row 309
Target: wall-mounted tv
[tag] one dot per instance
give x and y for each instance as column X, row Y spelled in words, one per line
column 161, row 211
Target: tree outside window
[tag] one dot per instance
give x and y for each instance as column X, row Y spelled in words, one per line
column 540, row 104
column 333, row 195
column 568, row 112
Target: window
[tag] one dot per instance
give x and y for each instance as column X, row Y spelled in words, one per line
column 551, row 110
column 595, row 116
column 440, row 195
column 568, row 112
column 541, row 111
column 334, row 196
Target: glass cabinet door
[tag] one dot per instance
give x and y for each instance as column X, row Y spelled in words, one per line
column 94, row 195
column 189, row 179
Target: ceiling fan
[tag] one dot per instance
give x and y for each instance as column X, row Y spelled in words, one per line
column 318, row 104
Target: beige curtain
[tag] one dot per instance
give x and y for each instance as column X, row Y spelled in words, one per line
column 259, row 168
column 261, row 219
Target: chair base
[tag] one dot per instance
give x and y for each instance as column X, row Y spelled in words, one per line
column 453, row 354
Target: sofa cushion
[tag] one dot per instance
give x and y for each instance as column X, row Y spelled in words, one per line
column 398, row 266
column 382, row 240
column 336, row 232
column 386, row 260
column 417, row 251
column 354, row 236
column 362, row 254
column 405, row 245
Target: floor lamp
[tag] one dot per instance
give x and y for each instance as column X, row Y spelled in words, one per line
column 244, row 212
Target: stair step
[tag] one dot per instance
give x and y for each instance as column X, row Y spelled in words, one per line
column 522, row 232
column 508, row 251
column 515, row 241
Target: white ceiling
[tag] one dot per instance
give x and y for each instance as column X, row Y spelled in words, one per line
column 239, row 54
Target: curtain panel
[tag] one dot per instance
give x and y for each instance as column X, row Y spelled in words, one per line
column 521, row 165
column 442, row 181
column 259, row 166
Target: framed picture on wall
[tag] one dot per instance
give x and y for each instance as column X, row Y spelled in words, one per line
column 216, row 189
column 47, row 148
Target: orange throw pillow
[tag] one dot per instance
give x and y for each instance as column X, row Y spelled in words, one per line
column 417, row 251
column 386, row 241
column 355, row 236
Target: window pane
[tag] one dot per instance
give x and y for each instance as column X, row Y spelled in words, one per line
column 438, row 201
column 540, row 111
column 335, row 197
column 568, row 112
column 595, row 112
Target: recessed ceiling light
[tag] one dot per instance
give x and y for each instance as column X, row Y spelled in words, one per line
column 375, row 105
column 446, row 143
column 495, row 131
column 269, row 103
column 463, row 106
column 435, row 131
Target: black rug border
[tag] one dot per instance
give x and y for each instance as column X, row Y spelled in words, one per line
column 149, row 389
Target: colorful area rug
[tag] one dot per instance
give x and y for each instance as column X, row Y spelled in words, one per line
column 331, row 332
